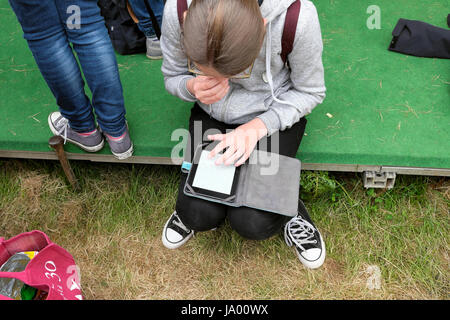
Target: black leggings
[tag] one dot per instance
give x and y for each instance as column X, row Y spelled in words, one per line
column 203, row 215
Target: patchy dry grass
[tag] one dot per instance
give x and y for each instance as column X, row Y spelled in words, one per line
column 113, row 229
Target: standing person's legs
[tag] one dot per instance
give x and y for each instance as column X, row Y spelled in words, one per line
column 98, row 61
column 146, row 25
column 45, row 33
column 95, row 52
column 257, row 224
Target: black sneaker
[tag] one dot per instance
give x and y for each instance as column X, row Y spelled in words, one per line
column 175, row 233
column 308, row 243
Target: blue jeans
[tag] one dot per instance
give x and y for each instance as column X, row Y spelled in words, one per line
column 145, row 22
column 50, row 27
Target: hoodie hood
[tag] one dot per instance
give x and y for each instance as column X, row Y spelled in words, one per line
column 270, row 9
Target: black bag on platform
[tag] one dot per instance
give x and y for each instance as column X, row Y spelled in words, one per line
column 420, row 39
column 124, row 32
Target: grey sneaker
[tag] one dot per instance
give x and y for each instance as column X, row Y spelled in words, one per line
column 121, row 147
column 90, row 142
column 153, row 48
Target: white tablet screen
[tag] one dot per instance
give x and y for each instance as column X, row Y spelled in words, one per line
column 209, row 176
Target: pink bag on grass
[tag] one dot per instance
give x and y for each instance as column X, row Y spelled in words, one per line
column 52, row 270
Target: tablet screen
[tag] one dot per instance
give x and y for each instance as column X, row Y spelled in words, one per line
column 209, row 176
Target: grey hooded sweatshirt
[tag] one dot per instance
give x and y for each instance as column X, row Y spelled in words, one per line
column 273, row 93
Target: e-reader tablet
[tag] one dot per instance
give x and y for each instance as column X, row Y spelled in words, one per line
column 209, row 179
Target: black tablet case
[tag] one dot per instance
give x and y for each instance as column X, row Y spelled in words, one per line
column 267, row 181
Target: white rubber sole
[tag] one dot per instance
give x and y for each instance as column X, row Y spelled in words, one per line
column 315, row 263
column 85, row 148
column 124, row 155
column 154, row 57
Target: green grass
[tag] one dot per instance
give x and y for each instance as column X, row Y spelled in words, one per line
column 113, row 229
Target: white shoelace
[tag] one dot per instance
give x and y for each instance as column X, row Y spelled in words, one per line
column 178, row 223
column 299, row 232
column 65, row 123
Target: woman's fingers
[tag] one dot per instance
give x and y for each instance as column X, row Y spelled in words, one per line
column 220, row 146
column 236, row 155
column 215, row 137
column 236, row 144
column 211, row 91
column 205, row 83
column 227, row 154
column 222, row 93
column 240, row 144
column 244, row 158
column 212, row 97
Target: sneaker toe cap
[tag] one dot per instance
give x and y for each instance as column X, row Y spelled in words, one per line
column 312, row 254
column 54, row 116
column 172, row 236
column 313, row 258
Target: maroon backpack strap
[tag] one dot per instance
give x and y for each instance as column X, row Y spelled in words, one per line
column 290, row 27
column 182, row 6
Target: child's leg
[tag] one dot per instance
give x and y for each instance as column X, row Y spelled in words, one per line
column 45, row 33
column 98, row 61
column 146, row 25
column 145, row 22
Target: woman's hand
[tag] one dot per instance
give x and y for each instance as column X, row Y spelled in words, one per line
column 240, row 142
column 208, row 90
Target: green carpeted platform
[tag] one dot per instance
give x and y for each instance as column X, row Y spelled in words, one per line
column 382, row 108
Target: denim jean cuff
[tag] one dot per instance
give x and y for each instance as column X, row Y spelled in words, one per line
column 115, row 133
column 81, row 126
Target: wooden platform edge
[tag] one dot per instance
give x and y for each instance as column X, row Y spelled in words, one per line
column 445, row 172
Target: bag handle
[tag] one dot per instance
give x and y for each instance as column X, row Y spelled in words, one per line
column 154, row 21
column 15, row 275
column 5, row 254
column 290, row 28
column 181, row 8
column 30, row 241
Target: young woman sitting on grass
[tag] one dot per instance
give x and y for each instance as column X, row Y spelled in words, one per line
column 224, row 55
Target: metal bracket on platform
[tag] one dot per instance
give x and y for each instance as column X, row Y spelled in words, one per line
column 383, row 180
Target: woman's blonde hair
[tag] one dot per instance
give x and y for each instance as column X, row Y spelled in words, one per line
column 225, row 35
